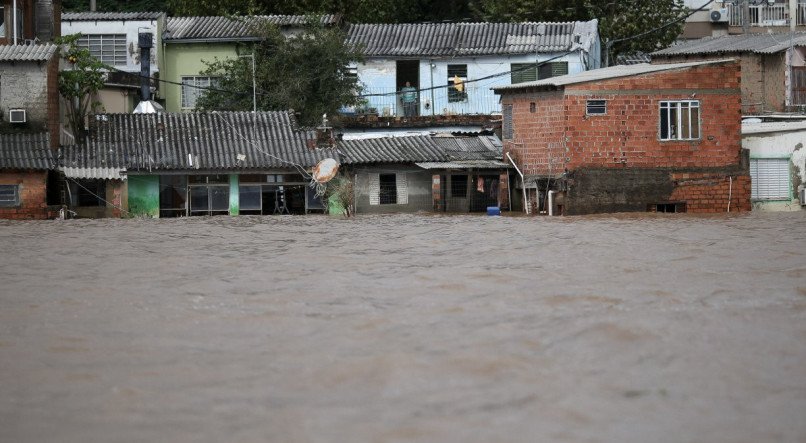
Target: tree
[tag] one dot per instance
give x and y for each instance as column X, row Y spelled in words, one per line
column 308, row 73
column 618, row 21
column 79, row 84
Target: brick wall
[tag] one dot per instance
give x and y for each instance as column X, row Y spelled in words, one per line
column 553, row 134
column 710, row 192
column 763, row 79
column 32, row 194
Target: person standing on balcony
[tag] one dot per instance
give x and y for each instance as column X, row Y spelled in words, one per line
column 408, row 95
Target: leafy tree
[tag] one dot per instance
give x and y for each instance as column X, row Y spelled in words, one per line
column 307, row 73
column 79, row 83
column 116, row 5
column 618, row 21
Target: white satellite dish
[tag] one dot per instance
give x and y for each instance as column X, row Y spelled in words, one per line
column 325, row 170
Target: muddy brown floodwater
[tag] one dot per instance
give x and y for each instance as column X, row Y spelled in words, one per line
column 404, row 328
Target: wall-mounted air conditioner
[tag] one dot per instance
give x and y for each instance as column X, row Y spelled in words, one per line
column 17, row 116
column 719, row 15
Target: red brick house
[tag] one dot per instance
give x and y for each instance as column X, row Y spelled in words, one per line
column 630, row 138
column 24, row 163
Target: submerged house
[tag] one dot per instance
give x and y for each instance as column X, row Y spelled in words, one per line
column 453, row 65
column 187, row 164
column 663, row 138
column 777, row 164
column 439, row 173
column 25, row 160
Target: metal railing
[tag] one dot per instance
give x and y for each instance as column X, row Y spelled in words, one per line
column 766, row 15
column 387, row 102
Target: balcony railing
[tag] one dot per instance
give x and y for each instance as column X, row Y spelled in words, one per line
column 387, row 102
column 767, row 15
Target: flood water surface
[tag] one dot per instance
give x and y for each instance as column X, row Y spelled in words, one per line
column 404, row 328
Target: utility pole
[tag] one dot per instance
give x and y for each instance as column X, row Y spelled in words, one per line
column 745, row 16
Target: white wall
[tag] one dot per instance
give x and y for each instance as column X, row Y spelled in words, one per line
column 131, row 29
column 790, row 145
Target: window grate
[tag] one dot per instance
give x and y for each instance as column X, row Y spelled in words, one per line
column 770, row 179
column 9, row 196
column 191, row 91
column 596, row 107
column 110, row 49
column 507, row 131
column 387, row 189
column 457, row 76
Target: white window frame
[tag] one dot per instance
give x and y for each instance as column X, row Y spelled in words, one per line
column 109, row 49
column 674, row 129
column 770, row 179
column 194, row 83
column 14, row 202
column 590, row 104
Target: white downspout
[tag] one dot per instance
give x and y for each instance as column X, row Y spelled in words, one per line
column 523, row 185
column 14, row 21
column 551, row 203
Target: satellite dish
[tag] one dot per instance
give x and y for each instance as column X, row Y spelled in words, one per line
column 325, row 170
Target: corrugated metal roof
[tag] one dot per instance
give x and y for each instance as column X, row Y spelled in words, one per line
column 34, row 53
column 188, row 141
column 734, row 44
column 420, row 148
column 119, row 16
column 230, row 28
column 604, row 74
column 26, row 151
column 471, row 39
column 763, row 128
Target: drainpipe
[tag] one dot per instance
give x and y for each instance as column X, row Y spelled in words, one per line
column 14, row 21
column 793, row 12
column 745, row 16
column 551, row 203
column 93, row 7
column 431, row 70
column 523, row 185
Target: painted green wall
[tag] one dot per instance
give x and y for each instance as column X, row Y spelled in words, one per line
column 144, row 195
column 234, row 195
column 184, row 59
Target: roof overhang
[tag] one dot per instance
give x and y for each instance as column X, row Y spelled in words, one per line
column 465, row 164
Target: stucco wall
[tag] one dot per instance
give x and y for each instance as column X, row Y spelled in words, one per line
column 380, row 76
column 188, row 60
column 131, row 28
column 24, row 85
column 781, row 145
column 418, row 182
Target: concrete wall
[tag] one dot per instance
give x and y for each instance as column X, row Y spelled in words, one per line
column 616, row 161
column 188, row 60
column 31, row 86
column 32, row 194
column 781, row 145
column 131, row 28
column 380, row 76
column 418, row 184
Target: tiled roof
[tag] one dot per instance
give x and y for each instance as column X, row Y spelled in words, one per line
column 734, row 44
column 187, row 141
column 604, row 74
column 26, row 151
column 471, row 39
column 421, row 148
column 230, row 28
column 119, row 16
column 33, row 53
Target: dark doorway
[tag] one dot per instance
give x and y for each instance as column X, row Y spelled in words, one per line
column 408, row 71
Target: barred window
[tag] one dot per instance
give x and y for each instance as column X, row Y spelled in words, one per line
column 193, row 87
column 110, row 49
column 387, row 192
column 769, row 179
column 596, row 107
column 459, row 186
column 457, row 76
column 680, row 120
column 9, row 196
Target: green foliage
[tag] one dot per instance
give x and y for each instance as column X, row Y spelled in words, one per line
column 79, row 83
column 617, row 20
column 116, row 5
column 307, row 73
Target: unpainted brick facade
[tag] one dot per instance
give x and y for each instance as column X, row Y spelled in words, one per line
column 617, row 162
column 32, row 195
column 764, row 80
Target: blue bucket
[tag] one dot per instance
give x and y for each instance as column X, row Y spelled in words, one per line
column 493, row 210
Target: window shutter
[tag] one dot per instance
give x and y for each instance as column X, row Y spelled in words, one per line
column 402, row 189
column 507, row 131
column 374, row 189
column 770, row 178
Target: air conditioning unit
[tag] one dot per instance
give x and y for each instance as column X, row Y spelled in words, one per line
column 802, row 197
column 17, row 116
column 719, row 15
